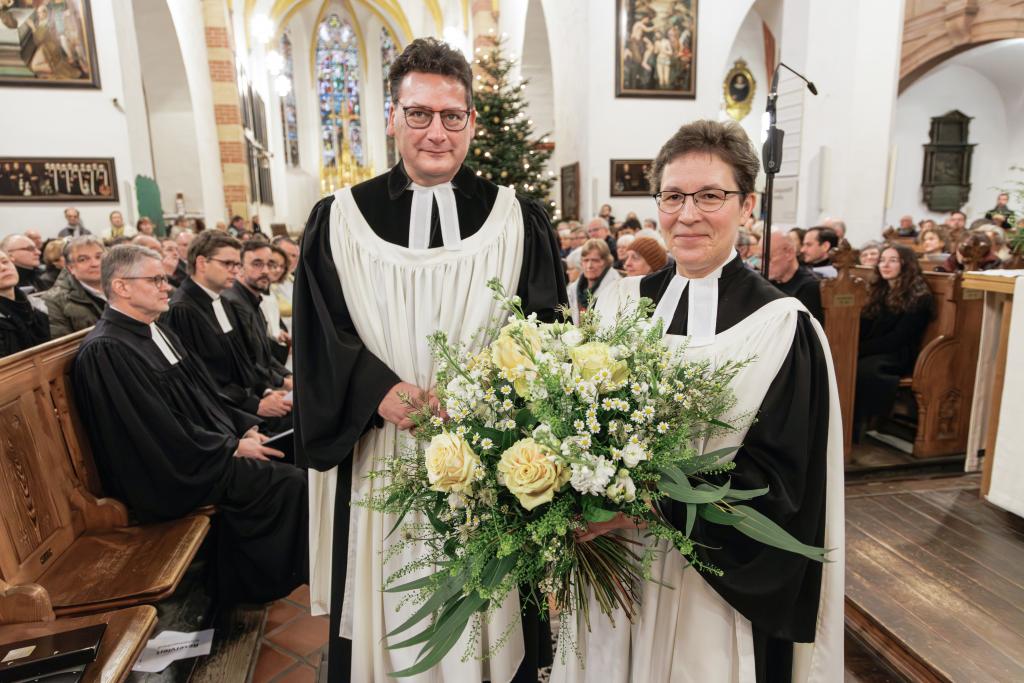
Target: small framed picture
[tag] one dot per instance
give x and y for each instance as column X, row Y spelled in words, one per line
column 570, row 183
column 738, row 89
column 629, row 177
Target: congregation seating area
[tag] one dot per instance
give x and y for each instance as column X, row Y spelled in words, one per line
column 70, row 558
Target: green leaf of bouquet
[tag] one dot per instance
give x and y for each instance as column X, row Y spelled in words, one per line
column 716, row 515
column 745, row 494
column 675, row 474
column 760, row 528
column 445, row 592
column 596, row 514
column 435, row 521
column 417, row 584
column 525, row 419
column 691, row 517
column 687, row 494
column 721, row 452
column 401, row 515
column 444, row 637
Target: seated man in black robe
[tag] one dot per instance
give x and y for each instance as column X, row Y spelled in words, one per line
column 212, row 331
column 793, row 279
column 166, row 444
column 246, row 293
column 22, row 326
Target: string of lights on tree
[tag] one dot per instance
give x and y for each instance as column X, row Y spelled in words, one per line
column 504, row 149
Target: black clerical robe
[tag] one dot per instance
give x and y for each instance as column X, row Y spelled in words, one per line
column 254, row 333
column 805, row 285
column 164, row 444
column 28, row 279
column 784, row 450
column 224, row 354
column 339, row 384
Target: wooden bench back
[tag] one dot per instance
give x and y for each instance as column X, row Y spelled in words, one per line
column 44, row 462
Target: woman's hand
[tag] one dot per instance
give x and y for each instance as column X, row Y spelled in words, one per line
column 595, row 529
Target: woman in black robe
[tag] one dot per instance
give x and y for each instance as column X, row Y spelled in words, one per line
column 22, row 326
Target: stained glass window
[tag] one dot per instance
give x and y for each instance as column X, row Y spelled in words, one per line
column 337, row 76
column 388, row 53
column 289, row 113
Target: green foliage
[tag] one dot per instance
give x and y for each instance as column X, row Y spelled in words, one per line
column 505, row 149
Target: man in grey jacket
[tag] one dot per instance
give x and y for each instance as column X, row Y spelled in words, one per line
column 76, row 299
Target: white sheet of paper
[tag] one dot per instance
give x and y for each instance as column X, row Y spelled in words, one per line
column 171, row 646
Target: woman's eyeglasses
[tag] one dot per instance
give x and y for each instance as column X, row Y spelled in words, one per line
column 707, row 200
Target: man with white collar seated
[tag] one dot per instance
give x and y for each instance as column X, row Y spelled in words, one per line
column 165, row 443
column 211, row 329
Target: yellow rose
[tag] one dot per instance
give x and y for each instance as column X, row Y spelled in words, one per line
column 508, row 354
column 593, row 357
column 530, row 475
column 451, row 464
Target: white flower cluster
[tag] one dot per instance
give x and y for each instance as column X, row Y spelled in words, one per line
column 593, row 476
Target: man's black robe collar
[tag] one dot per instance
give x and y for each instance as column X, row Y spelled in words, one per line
column 126, row 322
column 465, row 181
column 251, row 297
column 192, row 289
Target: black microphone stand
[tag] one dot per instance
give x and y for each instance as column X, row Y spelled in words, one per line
column 771, row 156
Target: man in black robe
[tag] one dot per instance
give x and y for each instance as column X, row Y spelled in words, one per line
column 793, row 279
column 165, row 444
column 342, row 389
column 246, row 294
column 211, row 330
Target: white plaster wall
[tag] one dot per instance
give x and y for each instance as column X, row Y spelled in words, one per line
column 58, row 122
column 176, row 157
column 749, row 46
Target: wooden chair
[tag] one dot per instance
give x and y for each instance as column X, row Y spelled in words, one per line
column 62, row 548
column 127, row 632
column 842, row 299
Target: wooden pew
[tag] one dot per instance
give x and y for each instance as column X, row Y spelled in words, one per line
column 842, row 299
column 62, row 548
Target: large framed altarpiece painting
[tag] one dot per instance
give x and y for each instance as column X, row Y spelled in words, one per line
column 656, row 48
column 47, row 43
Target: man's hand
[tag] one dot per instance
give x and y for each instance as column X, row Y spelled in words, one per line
column 251, row 448
column 284, row 338
column 288, row 384
column 274, row 404
column 254, row 433
column 396, row 410
column 595, row 529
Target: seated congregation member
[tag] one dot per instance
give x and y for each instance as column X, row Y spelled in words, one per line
column 77, row 301
column 906, row 227
column 166, row 444
column 933, row 244
column 24, row 254
column 645, row 255
column 869, row 254
column 749, row 247
column 772, row 615
column 172, row 261
column 211, row 330
column 796, row 236
column 275, row 308
column 956, row 262
column 816, row 249
column 596, row 272
column 247, row 294
column 53, row 263
column 898, row 311
column 22, row 325
column 622, row 243
column 793, row 279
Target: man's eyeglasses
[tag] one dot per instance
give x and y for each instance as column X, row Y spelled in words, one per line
column 230, row 265
column 453, row 120
column 157, row 280
column 707, row 200
column 32, row 248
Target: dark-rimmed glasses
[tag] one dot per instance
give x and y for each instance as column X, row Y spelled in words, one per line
column 156, row 280
column 230, row 265
column 419, row 118
column 707, row 200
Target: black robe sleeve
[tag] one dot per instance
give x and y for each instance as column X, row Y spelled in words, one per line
column 785, row 450
column 542, row 279
column 164, row 465
column 338, row 382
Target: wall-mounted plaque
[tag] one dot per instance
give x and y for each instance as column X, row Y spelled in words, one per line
column 946, row 178
column 26, row 179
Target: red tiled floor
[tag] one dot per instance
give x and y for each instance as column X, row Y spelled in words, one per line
column 280, row 613
column 301, row 596
column 269, row 664
column 302, row 636
column 298, row 674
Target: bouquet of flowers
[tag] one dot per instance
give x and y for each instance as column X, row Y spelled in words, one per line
column 547, row 429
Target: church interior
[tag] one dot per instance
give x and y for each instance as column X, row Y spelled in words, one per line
column 179, row 124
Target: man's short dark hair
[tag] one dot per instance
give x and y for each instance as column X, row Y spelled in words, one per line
column 728, row 141
column 958, row 211
column 253, row 245
column 826, row 234
column 431, row 56
column 206, row 244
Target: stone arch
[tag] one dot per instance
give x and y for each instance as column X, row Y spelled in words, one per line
column 934, row 31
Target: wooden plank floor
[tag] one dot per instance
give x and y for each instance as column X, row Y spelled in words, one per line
column 935, row 579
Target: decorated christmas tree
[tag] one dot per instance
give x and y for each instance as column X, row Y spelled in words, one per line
column 504, row 149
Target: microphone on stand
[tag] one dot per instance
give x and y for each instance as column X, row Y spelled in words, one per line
column 771, row 156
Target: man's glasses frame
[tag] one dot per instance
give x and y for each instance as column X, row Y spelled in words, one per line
column 156, row 280
column 459, row 124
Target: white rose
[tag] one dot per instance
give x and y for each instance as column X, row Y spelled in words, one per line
column 451, row 464
column 632, row 454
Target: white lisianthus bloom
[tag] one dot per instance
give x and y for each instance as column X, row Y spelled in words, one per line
column 572, row 338
column 593, row 477
column 633, row 454
column 622, row 489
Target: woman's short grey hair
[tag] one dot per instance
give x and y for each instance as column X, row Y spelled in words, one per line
column 76, row 243
column 599, row 246
column 122, row 261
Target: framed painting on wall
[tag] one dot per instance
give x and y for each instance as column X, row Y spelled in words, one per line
column 26, row 179
column 47, row 43
column 629, row 178
column 656, row 48
column 570, row 185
